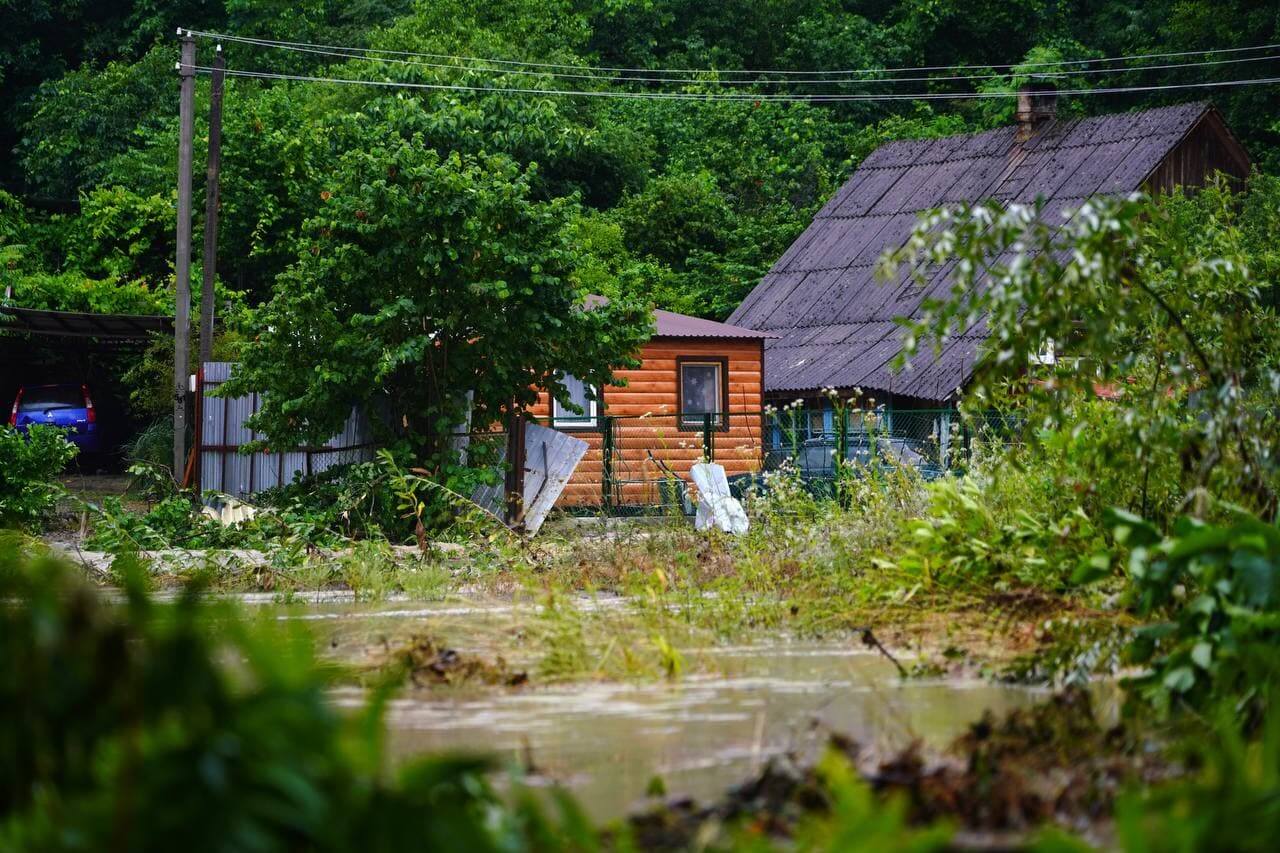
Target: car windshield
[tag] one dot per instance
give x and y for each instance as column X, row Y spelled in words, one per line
column 58, row 397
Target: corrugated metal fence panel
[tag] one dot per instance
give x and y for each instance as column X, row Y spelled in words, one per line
column 550, row 458
column 491, row 496
column 222, row 432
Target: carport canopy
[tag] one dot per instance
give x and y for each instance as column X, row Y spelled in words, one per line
column 77, row 324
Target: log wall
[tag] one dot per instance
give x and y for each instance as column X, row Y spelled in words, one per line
column 645, row 412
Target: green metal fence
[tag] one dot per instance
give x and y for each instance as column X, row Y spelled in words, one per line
column 639, row 464
column 934, row 441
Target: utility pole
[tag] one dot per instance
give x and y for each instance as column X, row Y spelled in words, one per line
column 182, row 302
column 211, row 210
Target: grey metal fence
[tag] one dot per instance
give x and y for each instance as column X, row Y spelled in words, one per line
column 221, row 433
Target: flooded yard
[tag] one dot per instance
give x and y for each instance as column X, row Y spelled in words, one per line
column 607, row 740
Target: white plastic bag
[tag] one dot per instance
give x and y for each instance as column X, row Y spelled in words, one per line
column 716, row 505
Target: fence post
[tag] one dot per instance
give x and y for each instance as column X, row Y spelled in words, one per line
column 944, row 440
column 842, row 437
column 198, row 441
column 606, row 462
column 708, row 438
column 841, row 451
column 514, row 503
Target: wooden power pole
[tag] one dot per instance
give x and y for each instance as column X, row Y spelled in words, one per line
column 210, row 260
column 182, row 302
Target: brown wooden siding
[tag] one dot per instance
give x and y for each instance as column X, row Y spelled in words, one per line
column 646, row 410
column 1210, row 147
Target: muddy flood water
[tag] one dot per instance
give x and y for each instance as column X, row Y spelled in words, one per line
column 701, row 734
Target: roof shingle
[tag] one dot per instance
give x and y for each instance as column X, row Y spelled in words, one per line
column 834, row 320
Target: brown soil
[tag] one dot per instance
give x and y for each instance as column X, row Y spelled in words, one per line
column 1001, row 780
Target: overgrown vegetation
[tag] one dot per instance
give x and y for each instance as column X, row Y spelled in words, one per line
column 29, row 465
column 679, row 203
column 138, row 726
column 427, row 257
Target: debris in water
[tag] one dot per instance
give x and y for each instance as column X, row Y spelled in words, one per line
column 428, row 661
column 1051, row 763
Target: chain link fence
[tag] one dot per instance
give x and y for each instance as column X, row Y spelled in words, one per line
column 639, row 464
column 933, row 441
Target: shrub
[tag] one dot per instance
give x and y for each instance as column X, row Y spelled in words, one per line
column 28, row 467
column 137, row 727
column 1232, row 803
column 1217, row 590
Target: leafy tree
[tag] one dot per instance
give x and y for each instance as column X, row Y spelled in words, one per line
column 1158, row 303
column 675, row 216
column 79, row 122
column 122, row 234
column 422, row 278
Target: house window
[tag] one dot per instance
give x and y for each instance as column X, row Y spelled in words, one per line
column 703, row 390
column 818, row 423
column 584, row 397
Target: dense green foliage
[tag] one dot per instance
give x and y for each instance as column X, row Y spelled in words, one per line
column 680, row 203
column 704, row 195
column 1221, row 586
column 138, row 727
column 29, row 466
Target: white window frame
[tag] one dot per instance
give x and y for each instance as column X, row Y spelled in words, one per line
column 562, row 418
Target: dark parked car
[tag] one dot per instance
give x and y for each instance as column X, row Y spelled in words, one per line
column 68, row 406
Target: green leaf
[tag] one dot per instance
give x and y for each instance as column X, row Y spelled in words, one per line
column 1092, row 569
column 1180, row 679
column 1129, row 529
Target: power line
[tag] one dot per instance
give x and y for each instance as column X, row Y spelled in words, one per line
column 696, row 96
column 358, row 51
column 342, row 54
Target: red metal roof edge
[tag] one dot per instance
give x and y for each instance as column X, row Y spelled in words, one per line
column 669, row 324
column 672, row 325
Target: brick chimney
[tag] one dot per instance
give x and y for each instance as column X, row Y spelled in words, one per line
column 1037, row 105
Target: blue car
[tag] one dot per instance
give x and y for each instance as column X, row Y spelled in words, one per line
column 67, row 406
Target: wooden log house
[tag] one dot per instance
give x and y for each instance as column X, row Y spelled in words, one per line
column 696, row 393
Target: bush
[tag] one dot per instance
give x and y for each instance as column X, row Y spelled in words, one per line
column 28, row 467
column 137, row 727
column 1012, row 521
column 1217, row 590
column 1232, row 803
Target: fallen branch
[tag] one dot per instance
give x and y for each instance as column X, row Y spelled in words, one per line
column 870, row 640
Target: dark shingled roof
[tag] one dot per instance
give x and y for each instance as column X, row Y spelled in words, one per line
column 835, row 319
